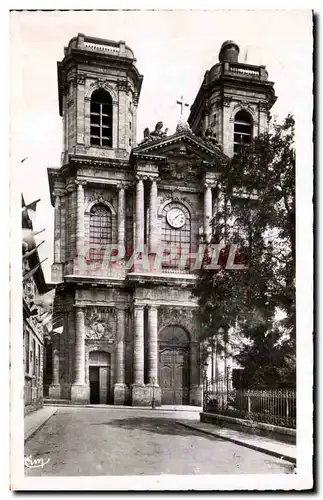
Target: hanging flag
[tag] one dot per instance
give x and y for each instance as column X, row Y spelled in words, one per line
column 46, row 319
column 30, row 273
column 30, row 206
column 58, row 330
column 29, row 254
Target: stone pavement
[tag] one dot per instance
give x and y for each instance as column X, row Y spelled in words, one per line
column 103, row 441
column 34, row 420
column 272, row 447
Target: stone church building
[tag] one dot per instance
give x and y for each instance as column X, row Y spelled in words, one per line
column 128, row 214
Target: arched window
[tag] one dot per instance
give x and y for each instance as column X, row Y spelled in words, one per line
column 176, row 235
column 100, row 232
column 101, row 119
column 242, row 130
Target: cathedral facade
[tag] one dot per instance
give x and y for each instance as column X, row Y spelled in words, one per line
column 130, row 222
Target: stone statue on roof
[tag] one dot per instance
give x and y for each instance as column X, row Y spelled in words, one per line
column 156, row 134
column 210, row 136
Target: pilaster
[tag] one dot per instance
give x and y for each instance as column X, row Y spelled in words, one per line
column 55, row 388
column 79, row 392
column 140, row 215
column 153, row 228
column 121, row 215
column 120, row 388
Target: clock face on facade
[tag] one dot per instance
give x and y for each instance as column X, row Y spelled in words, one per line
column 176, row 218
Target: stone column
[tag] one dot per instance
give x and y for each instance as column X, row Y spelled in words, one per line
column 63, row 228
column 152, row 345
column 140, row 394
column 57, row 266
column 57, row 231
column 134, row 121
column 121, row 215
column 55, row 388
column 227, row 126
column 207, row 212
column 79, row 392
column 80, row 217
column 153, row 229
column 87, row 120
column 138, row 347
column 120, row 386
column 140, row 216
column 71, row 215
column 80, row 82
column 155, row 391
column 123, row 89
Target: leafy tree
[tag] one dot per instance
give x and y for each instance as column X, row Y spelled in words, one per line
column 256, row 211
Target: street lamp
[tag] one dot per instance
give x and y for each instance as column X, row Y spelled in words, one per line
column 153, row 403
column 228, row 376
column 205, row 367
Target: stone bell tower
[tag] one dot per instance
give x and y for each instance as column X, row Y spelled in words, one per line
column 98, row 90
column 233, row 102
column 98, row 93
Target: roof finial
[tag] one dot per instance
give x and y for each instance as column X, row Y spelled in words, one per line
column 182, row 124
column 182, row 105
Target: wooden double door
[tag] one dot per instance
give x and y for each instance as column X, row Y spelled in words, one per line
column 99, row 378
column 174, row 377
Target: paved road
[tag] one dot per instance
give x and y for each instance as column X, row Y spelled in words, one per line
column 103, row 441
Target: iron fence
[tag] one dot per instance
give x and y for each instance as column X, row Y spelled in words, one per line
column 272, row 406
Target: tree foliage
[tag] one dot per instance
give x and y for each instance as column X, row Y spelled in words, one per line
column 257, row 212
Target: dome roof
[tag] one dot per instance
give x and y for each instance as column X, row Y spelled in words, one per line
column 229, row 42
column 229, row 51
column 182, row 126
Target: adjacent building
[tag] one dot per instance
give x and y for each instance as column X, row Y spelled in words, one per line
column 33, row 335
column 130, row 219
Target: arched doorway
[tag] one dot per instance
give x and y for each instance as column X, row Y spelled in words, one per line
column 99, row 377
column 174, row 380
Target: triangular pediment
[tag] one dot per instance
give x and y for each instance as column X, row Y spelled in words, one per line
column 180, row 145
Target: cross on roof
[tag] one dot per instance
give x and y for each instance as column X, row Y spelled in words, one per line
column 182, row 104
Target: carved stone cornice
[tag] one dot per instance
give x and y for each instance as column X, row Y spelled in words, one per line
column 141, row 177
column 59, row 192
column 209, row 183
column 123, row 185
column 70, row 187
column 263, row 107
column 123, row 86
column 81, row 182
column 80, row 79
column 226, row 100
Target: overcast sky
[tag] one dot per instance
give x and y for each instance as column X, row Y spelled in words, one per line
column 173, row 50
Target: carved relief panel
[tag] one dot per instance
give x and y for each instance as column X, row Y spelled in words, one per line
column 100, row 323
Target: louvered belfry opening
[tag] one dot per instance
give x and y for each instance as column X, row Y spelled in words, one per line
column 242, row 130
column 101, row 119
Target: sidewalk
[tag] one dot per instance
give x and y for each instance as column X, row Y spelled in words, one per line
column 33, row 421
column 57, row 404
column 263, row 444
